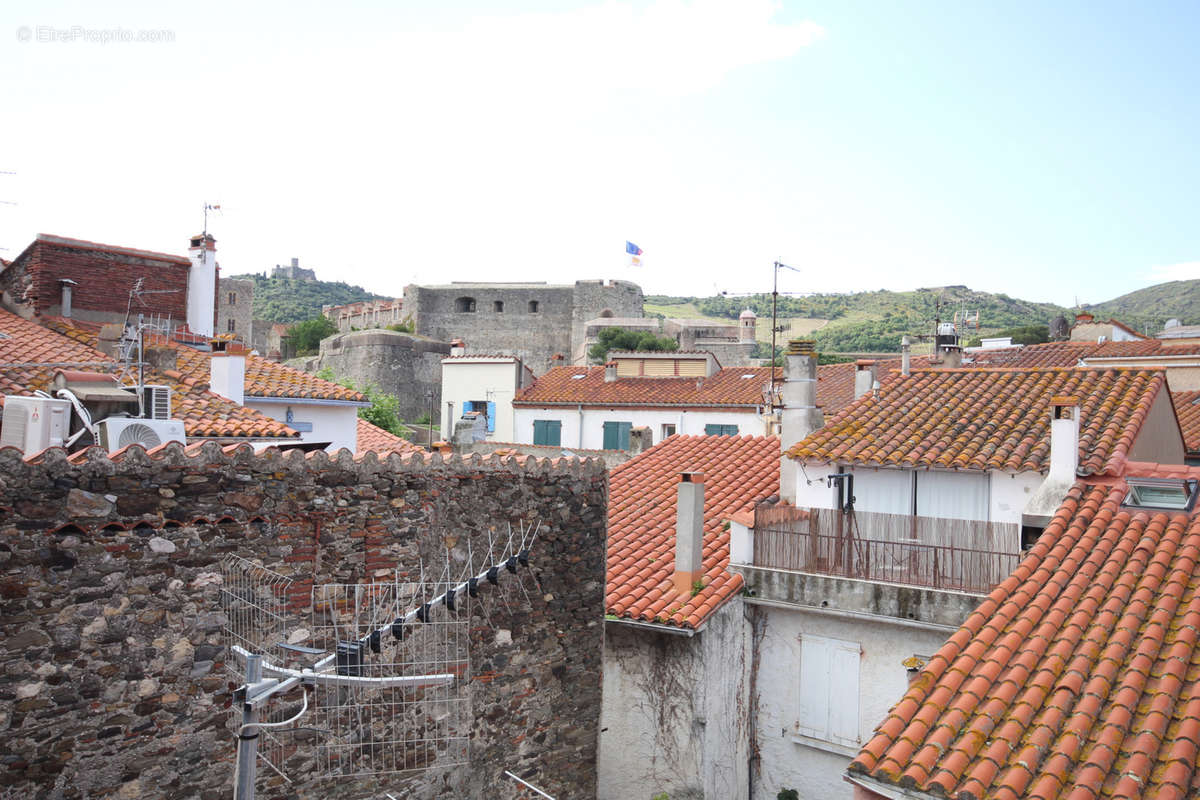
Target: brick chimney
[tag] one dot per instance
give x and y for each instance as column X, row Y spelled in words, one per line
column 689, row 532
column 202, row 284
column 800, row 415
column 227, row 367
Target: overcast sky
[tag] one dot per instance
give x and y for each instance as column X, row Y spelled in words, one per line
column 1044, row 149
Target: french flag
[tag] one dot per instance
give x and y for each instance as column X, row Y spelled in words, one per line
column 632, row 249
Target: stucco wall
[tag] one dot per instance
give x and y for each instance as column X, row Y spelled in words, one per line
column 686, row 422
column 337, row 425
column 675, row 714
column 1010, row 492
column 465, row 381
column 1159, row 439
column 786, row 763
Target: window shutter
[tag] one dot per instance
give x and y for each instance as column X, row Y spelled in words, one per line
column 624, row 429
column 843, row 706
column 612, row 438
column 539, row 431
column 814, row 687
column 554, row 432
column 491, row 416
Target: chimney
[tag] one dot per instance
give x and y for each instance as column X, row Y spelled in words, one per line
column 689, row 532
column 457, row 347
column 1064, row 463
column 295, row 262
column 951, row 356
column 202, row 284
column 557, row 360
column 67, row 288
column 864, row 376
column 228, row 371
column 610, row 372
column 800, row 415
column 905, row 356
column 1083, row 317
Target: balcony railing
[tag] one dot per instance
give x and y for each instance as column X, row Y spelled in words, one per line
column 961, row 555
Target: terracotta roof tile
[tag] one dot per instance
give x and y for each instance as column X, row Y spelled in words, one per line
column 372, row 438
column 734, row 386
column 1079, row 675
column 204, row 414
column 738, row 472
column 986, row 419
column 1187, row 409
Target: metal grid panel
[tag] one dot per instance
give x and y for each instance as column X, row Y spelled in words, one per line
column 370, row 731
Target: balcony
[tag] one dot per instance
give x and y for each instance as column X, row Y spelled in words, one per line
column 957, row 555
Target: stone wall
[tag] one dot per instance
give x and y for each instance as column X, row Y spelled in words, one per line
column 399, row 364
column 498, row 318
column 235, row 301
column 114, row 681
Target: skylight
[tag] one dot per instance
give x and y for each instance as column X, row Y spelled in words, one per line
column 748, row 375
column 1176, row 495
column 578, row 377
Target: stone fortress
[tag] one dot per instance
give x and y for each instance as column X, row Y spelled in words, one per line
column 533, row 321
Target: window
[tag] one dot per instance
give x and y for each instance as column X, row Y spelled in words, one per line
column 616, row 435
column 1171, row 494
column 720, row 430
column 464, row 305
column 668, row 430
column 231, row 325
column 233, row 298
column 547, row 432
column 485, row 407
column 829, row 690
column 533, row 306
column 498, row 306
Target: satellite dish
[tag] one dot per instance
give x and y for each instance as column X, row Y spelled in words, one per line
column 139, row 433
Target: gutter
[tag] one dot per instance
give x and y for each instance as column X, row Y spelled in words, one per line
column 309, row 401
column 883, row 789
column 688, row 632
column 861, row 616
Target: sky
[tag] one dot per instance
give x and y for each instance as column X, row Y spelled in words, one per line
column 1043, row 150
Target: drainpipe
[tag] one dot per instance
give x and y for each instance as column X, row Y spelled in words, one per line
column 580, row 445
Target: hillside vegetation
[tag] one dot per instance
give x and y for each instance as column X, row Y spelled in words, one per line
column 1147, row 309
column 287, row 300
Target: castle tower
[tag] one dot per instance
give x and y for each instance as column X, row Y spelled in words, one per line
column 747, row 321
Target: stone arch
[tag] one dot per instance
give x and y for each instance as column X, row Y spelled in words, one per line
column 464, row 304
column 606, row 313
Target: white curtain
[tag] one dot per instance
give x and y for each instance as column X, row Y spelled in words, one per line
column 885, row 491
column 952, row 495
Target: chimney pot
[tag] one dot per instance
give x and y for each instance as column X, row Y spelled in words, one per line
column 1064, row 438
column 610, row 372
column 905, row 356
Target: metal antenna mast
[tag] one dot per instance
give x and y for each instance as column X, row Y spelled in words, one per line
column 775, row 328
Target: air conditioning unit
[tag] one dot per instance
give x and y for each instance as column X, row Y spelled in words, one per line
column 34, row 423
column 156, row 401
column 117, row 432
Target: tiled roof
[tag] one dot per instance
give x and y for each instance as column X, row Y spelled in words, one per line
column 835, row 382
column 84, row 244
column 738, row 472
column 204, row 414
column 986, row 419
column 372, row 438
column 733, row 386
column 264, row 378
column 1069, row 354
column 1077, row 677
column 1187, row 409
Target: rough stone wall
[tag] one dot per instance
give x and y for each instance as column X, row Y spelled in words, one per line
column 558, row 326
column 398, row 364
column 113, row 680
column 241, row 293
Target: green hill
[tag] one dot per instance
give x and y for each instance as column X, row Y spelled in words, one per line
column 875, row 321
column 1147, row 309
column 287, row 300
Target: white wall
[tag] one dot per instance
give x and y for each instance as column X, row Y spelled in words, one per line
column 811, row 489
column 686, row 422
column 464, row 381
column 674, row 715
column 1010, row 493
column 335, row 424
column 817, row 773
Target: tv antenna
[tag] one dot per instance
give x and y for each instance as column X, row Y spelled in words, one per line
column 381, row 668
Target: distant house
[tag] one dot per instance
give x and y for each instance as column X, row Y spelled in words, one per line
column 668, row 392
column 365, row 314
column 484, row 385
column 1087, row 329
column 1078, row 676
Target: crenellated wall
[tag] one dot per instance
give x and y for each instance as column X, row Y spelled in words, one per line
column 113, row 679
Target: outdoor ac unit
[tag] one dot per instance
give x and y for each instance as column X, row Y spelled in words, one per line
column 117, row 432
column 34, row 423
column 156, row 401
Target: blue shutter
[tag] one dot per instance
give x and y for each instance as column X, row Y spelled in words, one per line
column 612, row 436
column 491, row 418
column 554, row 432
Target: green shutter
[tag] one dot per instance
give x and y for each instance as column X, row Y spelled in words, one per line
column 547, row 432
column 720, row 430
column 616, row 435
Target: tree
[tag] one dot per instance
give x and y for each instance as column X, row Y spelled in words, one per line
column 621, row 339
column 384, row 411
column 306, row 336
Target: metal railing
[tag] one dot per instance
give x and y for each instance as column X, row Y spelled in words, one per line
column 960, row 555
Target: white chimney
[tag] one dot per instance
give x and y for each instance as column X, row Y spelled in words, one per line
column 202, row 285
column 800, row 415
column 457, row 347
column 1064, row 463
column 68, row 286
column 689, row 532
column 228, row 373
column 905, row 356
column 610, row 372
column 864, row 376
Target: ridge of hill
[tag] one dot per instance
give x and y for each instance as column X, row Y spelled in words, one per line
column 1147, row 309
column 290, row 300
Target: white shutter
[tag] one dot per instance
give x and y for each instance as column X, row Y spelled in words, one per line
column 843, row 705
column 814, row 686
column 884, row 491
column 952, row 495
